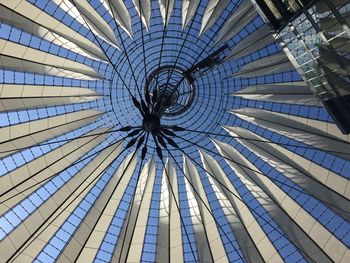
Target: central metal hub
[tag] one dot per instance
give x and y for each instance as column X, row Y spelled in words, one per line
column 151, row 123
column 174, row 89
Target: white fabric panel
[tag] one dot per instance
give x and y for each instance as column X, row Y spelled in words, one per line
column 16, row 137
column 242, row 16
column 23, row 58
column 17, row 96
column 217, row 250
column 295, row 130
column 201, row 240
column 297, row 224
column 258, row 39
column 169, row 241
column 166, row 8
column 238, row 214
column 129, row 223
column 99, row 218
column 51, row 24
column 95, row 21
column 189, row 8
column 275, row 63
column 139, row 231
column 18, row 20
column 266, row 151
column 44, row 167
column 121, row 14
column 35, row 221
column 212, row 13
column 143, row 8
column 285, row 92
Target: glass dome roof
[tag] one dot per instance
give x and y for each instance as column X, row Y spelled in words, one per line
column 163, row 130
